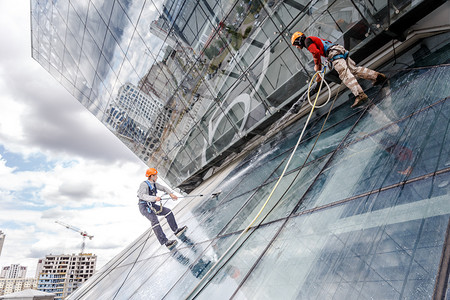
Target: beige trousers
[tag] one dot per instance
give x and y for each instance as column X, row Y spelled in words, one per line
column 347, row 70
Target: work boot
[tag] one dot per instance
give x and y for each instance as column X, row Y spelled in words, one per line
column 171, row 244
column 360, row 99
column 180, row 231
column 381, row 78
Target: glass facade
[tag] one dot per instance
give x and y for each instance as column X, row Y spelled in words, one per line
column 367, row 217
column 207, row 75
column 363, row 210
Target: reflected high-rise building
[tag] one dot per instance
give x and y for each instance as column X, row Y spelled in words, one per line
column 359, row 211
column 133, row 114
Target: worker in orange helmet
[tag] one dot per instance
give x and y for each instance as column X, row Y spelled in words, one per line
column 342, row 63
column 148, row 198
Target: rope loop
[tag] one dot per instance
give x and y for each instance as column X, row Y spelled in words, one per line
column 321, row 75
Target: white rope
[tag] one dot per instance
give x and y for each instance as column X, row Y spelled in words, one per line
column 320, row 74
column 274, row 188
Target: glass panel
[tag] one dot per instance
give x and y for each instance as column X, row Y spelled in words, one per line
column 73, row 48
column 398, row 151
column 76, row 20
column 96, row 26
column 328, row 141
column 302, row 180
column 119, row 26
column 448, row 289
column 253, row 206
column 232, row 269
column 205, row 210
column 347, row 19
column 90, row 57
column 118, row 268
column 61, row 8
column 132, row 9
column 70, row 69
column 104, row 8
column 355, row 251
column 400, row 7
column 198, row 266
column 421, row 87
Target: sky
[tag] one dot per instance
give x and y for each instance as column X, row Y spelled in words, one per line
column 57, row 162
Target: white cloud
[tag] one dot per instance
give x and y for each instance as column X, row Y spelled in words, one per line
column 10, row 126
column 108, row 210
column 90, row 178
column 4, row 170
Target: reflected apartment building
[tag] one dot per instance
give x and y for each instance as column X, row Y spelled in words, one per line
column 201, row 89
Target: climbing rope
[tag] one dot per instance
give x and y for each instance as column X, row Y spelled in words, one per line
column 320, row 74
column 313, row 106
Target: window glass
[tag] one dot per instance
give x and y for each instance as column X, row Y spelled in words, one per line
column 387, row 152
column 232, row 269
column 355, row 250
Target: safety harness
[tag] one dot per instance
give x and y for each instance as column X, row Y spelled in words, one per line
column 152, row 192
column 327, row 45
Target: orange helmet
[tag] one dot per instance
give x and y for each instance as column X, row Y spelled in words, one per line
column 150, row 172
column 295, row 41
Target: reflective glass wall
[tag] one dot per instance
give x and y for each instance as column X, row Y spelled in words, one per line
column 184, row 83
column 363, row 211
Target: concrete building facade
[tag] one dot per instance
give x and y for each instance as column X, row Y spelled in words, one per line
column 13, row 285
column 14, row 271
column 63, row 274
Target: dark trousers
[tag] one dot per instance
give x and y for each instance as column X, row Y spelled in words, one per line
column 152, row 216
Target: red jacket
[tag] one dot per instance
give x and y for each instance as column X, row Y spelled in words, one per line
column 315, row 46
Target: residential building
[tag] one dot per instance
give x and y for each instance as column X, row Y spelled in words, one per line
column 13, row 285
column 63, row 274
column 14, row 271
column 327, row 203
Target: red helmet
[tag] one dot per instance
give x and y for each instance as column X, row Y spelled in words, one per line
column 150, row 172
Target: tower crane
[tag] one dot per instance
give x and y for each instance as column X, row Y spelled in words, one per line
column 84, row 234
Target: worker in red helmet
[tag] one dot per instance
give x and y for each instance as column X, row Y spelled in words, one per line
column 342, row 63
column 148, row 198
